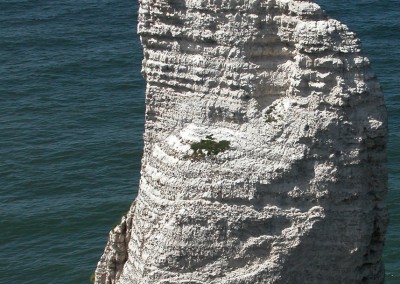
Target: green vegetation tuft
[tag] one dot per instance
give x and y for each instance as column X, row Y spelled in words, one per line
column 209, row 146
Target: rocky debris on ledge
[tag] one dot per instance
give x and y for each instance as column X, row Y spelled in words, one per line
column 297, row 194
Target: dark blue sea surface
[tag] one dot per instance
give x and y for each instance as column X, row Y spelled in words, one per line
column 71, row 123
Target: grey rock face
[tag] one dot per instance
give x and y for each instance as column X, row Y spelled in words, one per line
column 298, row 196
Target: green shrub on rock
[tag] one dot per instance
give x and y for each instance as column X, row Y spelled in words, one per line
column 209, row 146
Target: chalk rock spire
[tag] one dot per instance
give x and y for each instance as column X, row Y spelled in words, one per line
column 264, row 150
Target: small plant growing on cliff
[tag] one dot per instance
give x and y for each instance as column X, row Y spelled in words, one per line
column 92, row 278
column 209, row 146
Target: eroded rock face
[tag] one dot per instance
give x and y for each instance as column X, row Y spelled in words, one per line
column 299, row 195
column 115, row 254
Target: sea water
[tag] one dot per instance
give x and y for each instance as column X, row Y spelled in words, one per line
column 71, row 123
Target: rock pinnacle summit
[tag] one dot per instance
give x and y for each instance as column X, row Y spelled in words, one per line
column 264, row 150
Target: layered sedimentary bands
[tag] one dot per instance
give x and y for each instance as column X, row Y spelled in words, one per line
column 265, row 150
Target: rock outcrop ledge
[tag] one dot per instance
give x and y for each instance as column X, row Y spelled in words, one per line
column 297, row 193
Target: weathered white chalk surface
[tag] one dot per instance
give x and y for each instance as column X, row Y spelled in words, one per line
column 298, row 197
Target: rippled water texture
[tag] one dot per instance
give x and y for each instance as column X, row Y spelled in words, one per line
column 71, row 122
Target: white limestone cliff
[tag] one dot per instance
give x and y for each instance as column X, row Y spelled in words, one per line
column 299, row 194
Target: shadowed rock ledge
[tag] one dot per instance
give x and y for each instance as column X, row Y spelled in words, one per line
column 297, row 194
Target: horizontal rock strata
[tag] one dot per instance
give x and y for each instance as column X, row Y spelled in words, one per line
column 297, row 196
